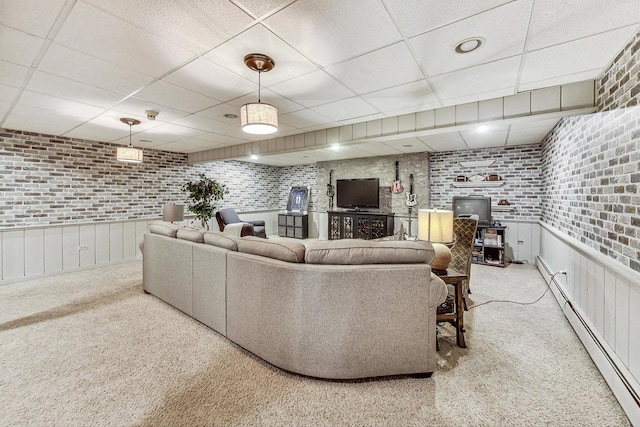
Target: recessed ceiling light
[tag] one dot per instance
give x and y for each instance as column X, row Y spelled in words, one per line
column 335, row 147
column 469, row 45
column 483, row 128
column 231, row 116
column 254, row 157
column 305, row 157
column 145, row 140
column 408, row 145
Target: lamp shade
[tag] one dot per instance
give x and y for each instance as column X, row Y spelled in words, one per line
column 172, row 212
column 259, row 118
column 435, row 225
column 129, row 154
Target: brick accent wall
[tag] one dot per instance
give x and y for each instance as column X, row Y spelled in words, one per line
column 519, row 167
column 619, row 85
column 591, row 166
column 47, row 179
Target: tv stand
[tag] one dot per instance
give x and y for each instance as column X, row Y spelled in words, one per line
column 359, row 225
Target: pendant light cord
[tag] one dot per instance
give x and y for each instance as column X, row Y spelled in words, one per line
column 259, row 86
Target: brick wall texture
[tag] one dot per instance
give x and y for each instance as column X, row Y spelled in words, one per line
column 518, row 166
column 591, row 166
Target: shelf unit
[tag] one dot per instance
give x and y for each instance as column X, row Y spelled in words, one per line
column 489, row 246
column 293, row 225
column 470, row 184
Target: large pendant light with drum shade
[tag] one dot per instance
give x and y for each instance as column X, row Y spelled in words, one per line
column 129, row 154
column 256, row 117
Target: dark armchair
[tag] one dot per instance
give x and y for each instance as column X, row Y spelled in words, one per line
column 229, row 216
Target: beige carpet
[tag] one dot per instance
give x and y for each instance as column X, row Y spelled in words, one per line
column 90, row 348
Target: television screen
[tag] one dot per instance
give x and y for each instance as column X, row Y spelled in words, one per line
column 481, row 206
column 358, row 193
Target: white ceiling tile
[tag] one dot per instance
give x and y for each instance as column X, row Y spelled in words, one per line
column 451, row 141
column 304, row 119
column 418, row 16
column 217, row 113
column 378, row 148
column 330, row 31
column 504, row 29
column 49, row 123
column 216, row 140
column 258, row 8
column 8, row 93
column 283, row 105
column 195, row 25
column 359, row 119
column 554, row 22
column 557, row 81
column 4, row 106
column 92, row 31
column 345, row 109
column 169, row 132
column 591, row 53
column 12, row 74
column 165, row 93
column 211, row 80
column 18, row 47
column 108, row 128
column 289, row 62
column 371, row 72
column 59, row 107
column 493, row 137
column 312, row 89
column 519, row 135
column 137, row 108
column 408, row 145
column 200, row 122
column 49, row 84
column 31, row 16
column 477, row 80
column 412, row 94
column 88, row 69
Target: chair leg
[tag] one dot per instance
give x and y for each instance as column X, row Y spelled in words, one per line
column 437, row 344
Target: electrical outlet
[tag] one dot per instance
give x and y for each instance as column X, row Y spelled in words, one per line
column 83, row 247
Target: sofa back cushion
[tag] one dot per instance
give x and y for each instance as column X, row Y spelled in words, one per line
column 221, row 240
column 284, row 250
column 191, row 235
column 164, row 228
column 356, row 251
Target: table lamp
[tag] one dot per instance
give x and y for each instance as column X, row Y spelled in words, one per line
column 436, row 226
column 172, row 212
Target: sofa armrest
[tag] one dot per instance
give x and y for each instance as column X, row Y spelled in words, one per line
column 257, row 222
column 239, row 229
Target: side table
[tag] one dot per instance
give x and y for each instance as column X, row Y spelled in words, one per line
column 452, row 277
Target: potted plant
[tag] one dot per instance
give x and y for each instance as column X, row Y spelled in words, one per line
column 202, row 197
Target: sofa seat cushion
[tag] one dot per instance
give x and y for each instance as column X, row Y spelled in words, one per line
column 191, row 235
column 284, row 250
column 164, row 228
column 356, row 252
column 222, row 240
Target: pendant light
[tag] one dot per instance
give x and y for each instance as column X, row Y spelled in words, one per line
column 256, row 117
column 129, row 154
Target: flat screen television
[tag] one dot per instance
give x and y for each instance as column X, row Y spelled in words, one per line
column 362, row 193
column 481, row 206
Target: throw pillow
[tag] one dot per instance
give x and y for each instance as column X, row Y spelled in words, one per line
column 164, row 228
column 221, row 240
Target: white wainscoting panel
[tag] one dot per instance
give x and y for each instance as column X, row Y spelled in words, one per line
column 129, row 245
column 102, row 244
column 87, row 248
column 52, row 250
column 33, row 252
column 116, row 241
column 606, row 297
column 13, row 254
column 141, row 228
column 70, row 243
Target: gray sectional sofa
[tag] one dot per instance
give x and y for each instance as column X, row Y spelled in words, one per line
column 330, row 309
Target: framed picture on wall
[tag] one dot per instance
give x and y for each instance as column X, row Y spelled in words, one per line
column 298, row 199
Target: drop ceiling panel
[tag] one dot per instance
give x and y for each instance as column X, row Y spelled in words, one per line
column 533, row 135
column 412, row 94
column 31, row 16
column 211, row 80
column 414, row 17
column 504, row 29
column 576, row 19
column 331, row 31
column 49, row 84
column 18, row 47
column 258, row 8
column 169, row 132
column 8, row 93
column 90, row 70
column 371, row 72
column 312, row 89
column 345, row 109
column 217, row 113
column 445, row 142
column 494, row 137
column 4, row 106
column 108, row 127
column 59, row 107
column 283, row 104
column 408, row 145
column 164, row 93
column 378, row 148
column 304, row 119
column 494, row 76
column 49, row 123
column 557, row 81
column 591, row 53
column 289, row 62
column 183, row 146
column 95, row 32
column 136, row 108
column 12, row 74
column 195, row 25
column 200, row 122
